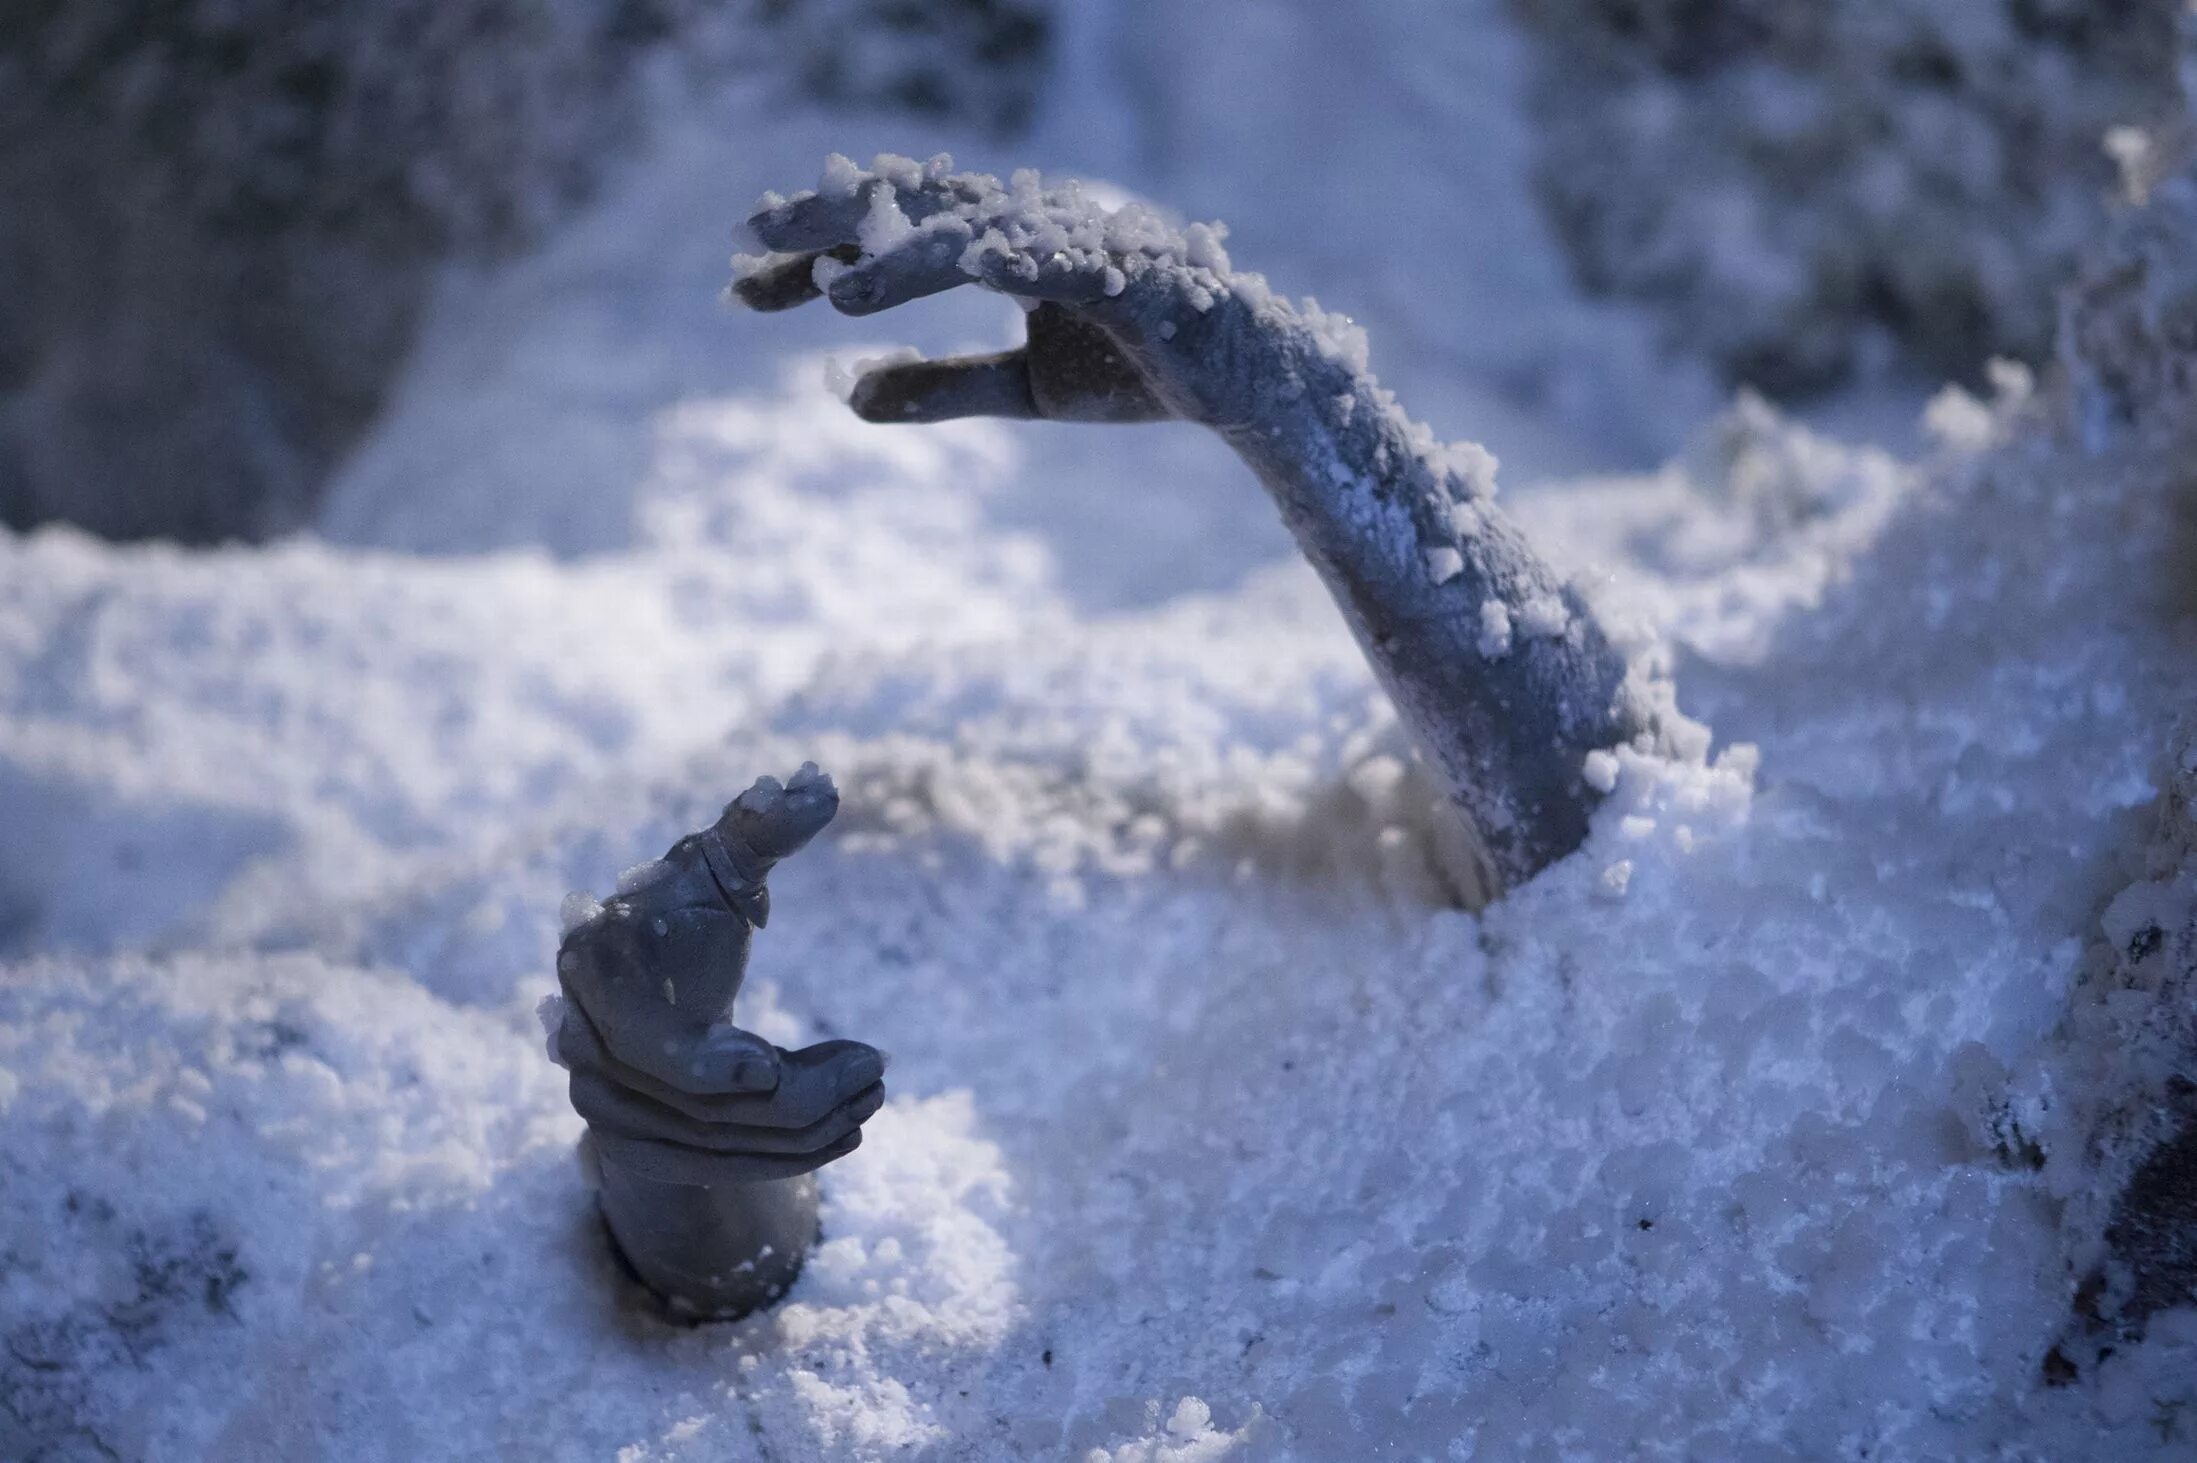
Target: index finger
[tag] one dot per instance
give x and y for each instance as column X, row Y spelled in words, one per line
column 831, row 214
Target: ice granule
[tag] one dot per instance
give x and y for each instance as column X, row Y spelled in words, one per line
column 578, row 908
column 904, row 172
column 1471, row 465
column 1202, row 247
column 1956, row 419
column 1191, row 1416
column 1543, row 615
column 840, row 378
column 550, row 1011
column 1494, row 629
column 884, row 225
column 840, row 177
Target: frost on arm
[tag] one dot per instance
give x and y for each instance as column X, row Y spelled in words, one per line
column 1496, row 664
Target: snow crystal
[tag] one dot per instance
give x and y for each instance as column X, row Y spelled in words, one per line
column 1204, row 249
column 1494, row 629
column 883, row 226
column 840, row 380
column 1338, row 336
column 1543, row 616
column 1470, row 467
column 577, row 909
column 550, row 1011
column 840, row 178
column 1959, row 421
column 1189, row 1418
column 905, row 174
column 825, row 269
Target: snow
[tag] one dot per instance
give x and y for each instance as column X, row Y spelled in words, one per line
column 1495, row 630
column 1216, row 1130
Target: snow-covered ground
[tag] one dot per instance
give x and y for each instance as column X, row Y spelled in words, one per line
column 1215, row 1131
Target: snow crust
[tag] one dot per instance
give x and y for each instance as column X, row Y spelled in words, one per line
column 1216, row 1130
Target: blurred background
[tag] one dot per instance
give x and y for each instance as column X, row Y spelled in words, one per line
column 228, row 220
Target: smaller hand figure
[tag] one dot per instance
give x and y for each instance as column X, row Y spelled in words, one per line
column 671, row 1089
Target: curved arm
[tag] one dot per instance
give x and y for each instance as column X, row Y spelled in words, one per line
column 1495, row 664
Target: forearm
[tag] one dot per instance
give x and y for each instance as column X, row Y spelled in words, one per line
column 1496, row 665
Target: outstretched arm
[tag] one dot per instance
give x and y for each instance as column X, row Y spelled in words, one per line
column 1495, row 663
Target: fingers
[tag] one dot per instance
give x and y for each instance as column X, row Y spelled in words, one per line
column 942, row 391
column 808, row 1122
column 927, row 261
column 832, row 214
column 776, row 820
column 728, row 1065
column 911, row 228
column 817, row 1079
column 809, row 223
column 784, row 281
column 1084, row 277
column 803, row 1088
column 1070, row 372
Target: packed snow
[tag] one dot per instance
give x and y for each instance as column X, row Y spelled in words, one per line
column 1217, row 1128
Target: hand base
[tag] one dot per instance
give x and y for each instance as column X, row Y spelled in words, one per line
column 711, row 1254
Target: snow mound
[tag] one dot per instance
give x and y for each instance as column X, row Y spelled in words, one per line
column 1200, row 1091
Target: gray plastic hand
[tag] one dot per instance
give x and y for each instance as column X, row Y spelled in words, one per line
column 813, row 1113
column 670, row 1087
column 1134, row 320
column 1131, row 320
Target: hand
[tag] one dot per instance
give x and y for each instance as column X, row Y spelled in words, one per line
column 671, row 1088
column 1132, row 320
column 783, row 1113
